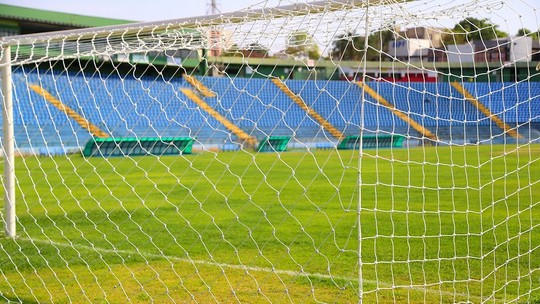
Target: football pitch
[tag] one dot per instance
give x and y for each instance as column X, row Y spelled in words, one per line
column 434, row 224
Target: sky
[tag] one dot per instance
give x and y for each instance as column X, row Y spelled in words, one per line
column 155, row 10
column 141, row 10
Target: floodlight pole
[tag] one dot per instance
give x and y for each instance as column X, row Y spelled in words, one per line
column 8, row 142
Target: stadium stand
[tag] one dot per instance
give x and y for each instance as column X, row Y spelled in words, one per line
column 515, row 103
column 260, row 108
column 119, row 106
column 322, row 121
column 151, row 106
column 340, row 103
column 442, row 110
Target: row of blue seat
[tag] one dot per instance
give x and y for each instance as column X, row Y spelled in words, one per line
column 128, row 106
column 513, row 102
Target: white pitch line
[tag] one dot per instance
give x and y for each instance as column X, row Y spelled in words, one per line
column 245, row 268
column 198, row 262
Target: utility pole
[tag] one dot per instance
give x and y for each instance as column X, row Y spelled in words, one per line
column 212, row 7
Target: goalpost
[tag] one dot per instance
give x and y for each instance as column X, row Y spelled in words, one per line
column 8, row 144
column 332, row 151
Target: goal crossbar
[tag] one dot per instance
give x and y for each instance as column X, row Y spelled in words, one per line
column 141, row 28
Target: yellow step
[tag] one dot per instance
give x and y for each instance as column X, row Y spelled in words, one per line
column 482, row 108
column 241, row 134
column 199, row 86
column 302, row 104
column 93, row 129
column 419, row 128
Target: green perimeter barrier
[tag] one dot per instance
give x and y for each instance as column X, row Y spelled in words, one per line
column 138, row 146
column 371, row 142
column 274, row 144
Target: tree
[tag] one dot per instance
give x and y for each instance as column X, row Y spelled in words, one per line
column 378, row 42
column 472, row 29
column 527, row 32
column 302, row 44
column 523, row 32
column 350, row 46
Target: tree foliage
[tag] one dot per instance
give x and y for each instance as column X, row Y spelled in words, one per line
column 302, row 44
column 350, row 46
column 524, row 32
column 527, row 32
column 473, row 29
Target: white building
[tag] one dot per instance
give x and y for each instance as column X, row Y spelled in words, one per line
column 502, row 50
column 461, row 52
column 410, row 49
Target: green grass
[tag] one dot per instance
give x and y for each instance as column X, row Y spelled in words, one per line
column 437, row 224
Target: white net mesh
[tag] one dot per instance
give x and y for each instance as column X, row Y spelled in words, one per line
column 338, row 151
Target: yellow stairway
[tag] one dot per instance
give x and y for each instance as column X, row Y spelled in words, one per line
column 419, row 128
column 300, row 102
column 482, row 108
column 250, row 141
column 199, row 86
column 93, row 129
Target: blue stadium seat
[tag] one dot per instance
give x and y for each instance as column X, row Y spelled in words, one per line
column 150, row 106
column 260, row 108
column 514, row 103
column 122, row 107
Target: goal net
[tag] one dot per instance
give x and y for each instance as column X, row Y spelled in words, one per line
column 331, row 151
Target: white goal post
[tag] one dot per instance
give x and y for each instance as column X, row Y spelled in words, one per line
column 8, row 144
column 331, row 151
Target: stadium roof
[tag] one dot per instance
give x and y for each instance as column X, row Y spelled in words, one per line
column 17, row 13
